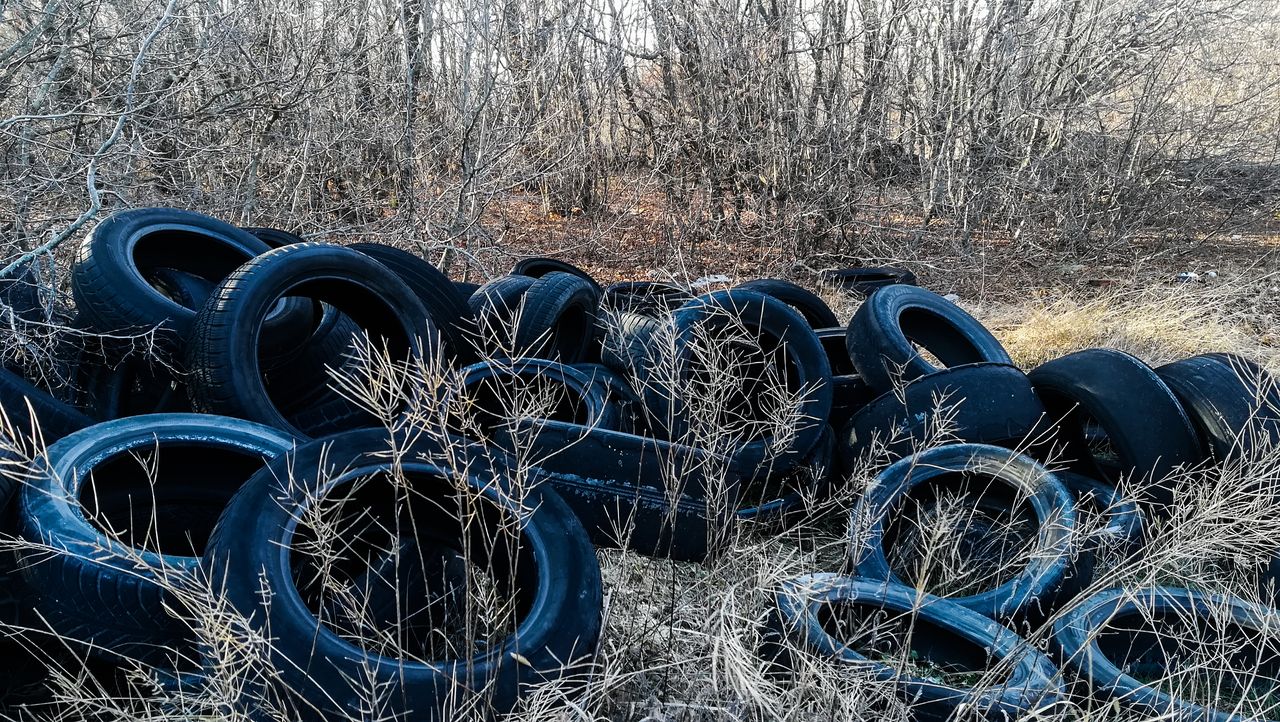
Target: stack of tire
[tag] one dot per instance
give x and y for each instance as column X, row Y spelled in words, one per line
column 954, row 422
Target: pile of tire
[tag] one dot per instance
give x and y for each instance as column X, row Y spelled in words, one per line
column 951, row 424
column 215, row 409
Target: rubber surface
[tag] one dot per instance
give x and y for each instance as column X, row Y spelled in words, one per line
column 95, row 587
column 555, row 580
column 1232, row 403
column 497, row 307
column 448, row 310
column 497, row 393
column 33, row 412
column 980, row 403
column 867, row 280
column 982, row 470
column 226, row 376
column 274, row 237
column 814, row 309
column 1151, row 435
column 539, row 266
column 939, row 631
column 110, row 286
column 793, row 351
column 558, row 319
column 648, row 298
column 1105, row 663
column 1114, row 532
column 837, row 352
column 886, row 328
column 652, row 497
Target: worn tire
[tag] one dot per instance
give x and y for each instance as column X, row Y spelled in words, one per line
column 274, row 237
column 789, row 343
column 1010, row 478
column 941, row 631
column 578, row 401
column 868, row 280
column 1105, row 661
column 449, row 312
column 112, row 293
column 96, row 588
column 1232, row 403
column 558, row 321
column 814, row 309
column 1149, row 431
column 556, row 582
column 1117, row 534
column 882, row 335
column 226, row 377
column 497, row 307
column 983, row 403
column 832, row 339
column 32, row 411
column 539, row 266
column 648, row 298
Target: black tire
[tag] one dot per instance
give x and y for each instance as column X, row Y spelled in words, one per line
column 1001, row 482
column 558, row 321
column 449, row 312
column 99, row 588
column 226, row 376
column 868, row 280
column 814, row 309
column 538, row 266
column 551, row 561
column 21, row 294
column 33, row 413
column 465, row 289
column 1111, row 529
column 792, row 350
column 1112, row 637
column 497, row 306
column 849, row 395
column 884, row 332
column 808, row 619
column 982, row 403
column 648, row 298
column 1151, row 436
column 617, row 392
column 188, row 289
column 304, row 385
column 131, row 387
column 837, row 351
column 1231, row 402
column 785, row 499
column 643, row 494
column 629, row 345
column 112, row 293
column 489, row 389
column 274, row 237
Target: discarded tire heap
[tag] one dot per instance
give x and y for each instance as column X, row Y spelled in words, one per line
column 231, row 457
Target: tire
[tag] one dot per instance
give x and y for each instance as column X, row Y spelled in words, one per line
column 865, row 281
column 21, row 294
column 537, row 267
column 1136, row 641
column 578, row 401
column 791, row 345
column 558, row 321
column 226, row 377
column 801, row 625
column 187, row 289
column 98, row 588
column 620, row 486
column 497, row 306
column 632, row 418
column 112, row 293
column 1151, row 435
column 631, row 342
column 785, row 500
column 33, row 413
column 982, row 403
column 274, row 237
column 304, row 384
column 448, row 311
column 837, row 352
column 465, row 289
column 1011, row 480
column 553, row 563
column 647, row 298
column 814, row 309
column 849, row 395
column 132, row 387
column 882, row 336
column 1116, row 534
column 1232, row 406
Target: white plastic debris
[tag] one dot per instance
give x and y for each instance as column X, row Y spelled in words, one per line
column 711, row 280
column 1188, row 276
column 952, row 298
